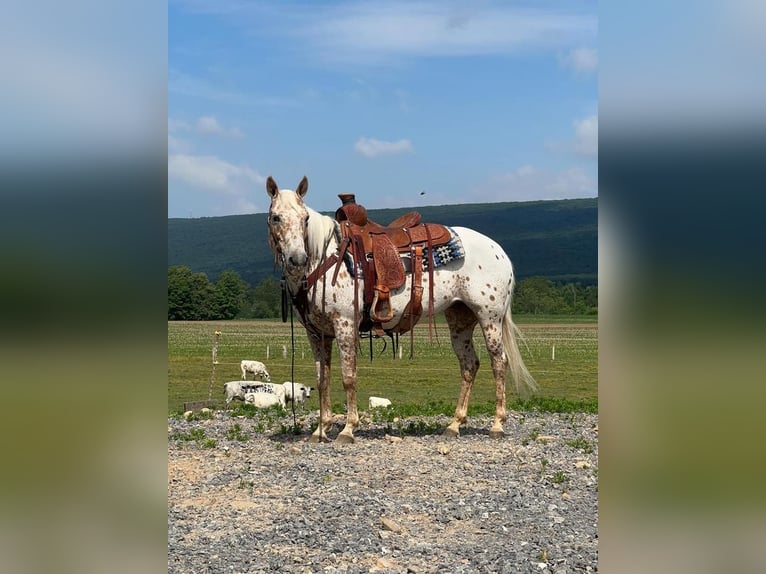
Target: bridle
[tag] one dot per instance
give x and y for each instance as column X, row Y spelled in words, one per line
column 300, row 298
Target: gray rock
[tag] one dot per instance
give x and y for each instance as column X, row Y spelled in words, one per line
column 279, row 503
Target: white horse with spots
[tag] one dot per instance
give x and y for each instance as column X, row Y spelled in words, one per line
column 475, row 289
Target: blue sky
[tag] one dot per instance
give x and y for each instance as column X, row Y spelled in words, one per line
column 466, row 101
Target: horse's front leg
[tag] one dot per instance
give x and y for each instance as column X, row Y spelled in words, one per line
column 347, row 348
column 322, row 350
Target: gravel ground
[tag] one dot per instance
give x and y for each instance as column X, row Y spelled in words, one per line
column 259, row 500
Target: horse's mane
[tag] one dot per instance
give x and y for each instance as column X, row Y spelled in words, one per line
column 321, row 233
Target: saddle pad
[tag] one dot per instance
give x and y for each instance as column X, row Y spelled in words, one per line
column 443, row 254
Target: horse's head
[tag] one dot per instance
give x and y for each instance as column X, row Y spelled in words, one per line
column 288, row 227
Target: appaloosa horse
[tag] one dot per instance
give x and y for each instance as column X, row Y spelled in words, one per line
column 473, row 287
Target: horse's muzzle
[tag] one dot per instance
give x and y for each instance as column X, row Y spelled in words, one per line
column 296, row 260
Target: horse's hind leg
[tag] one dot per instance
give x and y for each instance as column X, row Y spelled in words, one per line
column 461, row 321
column 493, row 336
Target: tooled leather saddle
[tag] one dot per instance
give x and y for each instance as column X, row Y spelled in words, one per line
column 379, row 254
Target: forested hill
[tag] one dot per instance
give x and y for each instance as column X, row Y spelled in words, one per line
column 556, row 239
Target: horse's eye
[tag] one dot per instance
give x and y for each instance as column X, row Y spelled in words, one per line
column 274, row 219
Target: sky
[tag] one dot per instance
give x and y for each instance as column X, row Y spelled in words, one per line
column 404, row 104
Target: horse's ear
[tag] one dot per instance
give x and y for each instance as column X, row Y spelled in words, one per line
column 271, row 187
column 303, row 186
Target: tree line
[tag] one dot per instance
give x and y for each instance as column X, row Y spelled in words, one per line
column 193, row 297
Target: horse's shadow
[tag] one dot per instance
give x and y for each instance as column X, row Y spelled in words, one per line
column 303, row 434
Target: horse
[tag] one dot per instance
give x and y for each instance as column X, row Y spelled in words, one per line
column 474, row 289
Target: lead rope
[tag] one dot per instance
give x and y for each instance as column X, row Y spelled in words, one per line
column 292, row 364
column 321, row 335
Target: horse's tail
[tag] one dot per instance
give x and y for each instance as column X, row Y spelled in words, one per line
column 525, row 383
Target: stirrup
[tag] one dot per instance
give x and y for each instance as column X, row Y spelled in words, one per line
column 382, row 297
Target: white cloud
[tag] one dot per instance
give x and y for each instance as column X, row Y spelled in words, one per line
column 530, row 183
column 581, row 60
column 374, row 32
column 523, row 171
column 370, row 147
column 586, row 136
column 175, row 125
column 585, row 140
column 205, row 125
column 212, row 173
column 178, row 145
column 204, row 89
column 381, row 32
column 208, row 125
column 238, row 205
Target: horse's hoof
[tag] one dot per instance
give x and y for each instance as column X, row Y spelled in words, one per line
column 345, row 439
column 316, row 439
column 496, row 433
column 451, row 433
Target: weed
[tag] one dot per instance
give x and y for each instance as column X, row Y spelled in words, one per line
column 246, row 483
column 559, row 478
column 243, row 410
column 294, row 429
column 418, row 427
column 555, row 405
column 200, row 415
column 235, row 433
column 531, row 437
column 582, row 444
column 193, row 435
column 196, row 435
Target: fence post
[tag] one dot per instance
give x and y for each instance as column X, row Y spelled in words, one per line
column 216, row 340
column 553, row 353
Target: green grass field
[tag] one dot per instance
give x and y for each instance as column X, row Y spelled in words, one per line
column 428, row 382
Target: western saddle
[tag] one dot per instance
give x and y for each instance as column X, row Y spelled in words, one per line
column 379, row 253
